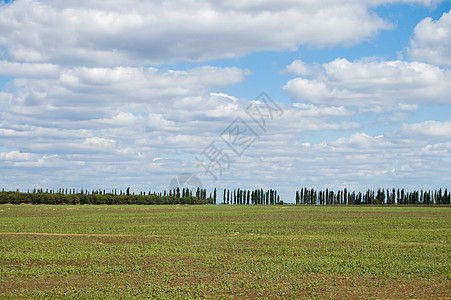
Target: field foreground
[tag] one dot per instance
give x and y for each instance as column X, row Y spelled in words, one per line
column 168, row 252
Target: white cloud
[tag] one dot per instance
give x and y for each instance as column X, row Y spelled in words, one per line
column 17, row 156
column 360, row 161
column 297, row 67
column 428, row 130
column 431, row 41
column 109, row 140
column 224, row 95
column 114, row 120
column 393, row 159
column 371, row 84
column 137, row 82
column 137, row 32
column 28, row 70
column 99, row 142
column 82, row 93
column 122, row 149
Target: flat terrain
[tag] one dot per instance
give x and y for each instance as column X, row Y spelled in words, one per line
column 168, row 252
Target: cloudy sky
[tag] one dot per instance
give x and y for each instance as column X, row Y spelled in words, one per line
column 111, row 94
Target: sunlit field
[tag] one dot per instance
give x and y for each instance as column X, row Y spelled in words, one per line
column 177, row 252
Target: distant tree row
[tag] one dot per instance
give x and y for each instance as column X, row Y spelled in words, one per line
column 304, row 196
column 186, row 192
column 382, row 196
column 72, row 196
column 255, row 197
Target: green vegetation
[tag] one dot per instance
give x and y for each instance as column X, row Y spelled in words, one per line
column 184, row 196
column 256, row 197
column 230, row 197
column 180, row 251
column 389, row 197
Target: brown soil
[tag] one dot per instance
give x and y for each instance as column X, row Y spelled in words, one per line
column 65, row 234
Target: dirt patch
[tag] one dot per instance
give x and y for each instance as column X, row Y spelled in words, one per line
column 49, row 283
column 416, row 244
column 65, row 234
column 352, row 286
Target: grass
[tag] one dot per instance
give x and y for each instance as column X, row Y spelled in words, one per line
column 228, row 252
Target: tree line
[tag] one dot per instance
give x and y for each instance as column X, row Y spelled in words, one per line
column 247, row 197
column 382, row 196
column 304, row 196
column 83, row 196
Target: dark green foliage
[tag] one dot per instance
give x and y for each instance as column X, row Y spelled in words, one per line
column 97, row 197
column 237, row 197
column 381, row 197
column 247, row 197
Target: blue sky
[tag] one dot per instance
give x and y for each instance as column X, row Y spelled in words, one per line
column 113, row 94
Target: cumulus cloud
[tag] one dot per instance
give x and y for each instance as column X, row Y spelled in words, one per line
column 104, row 121
column 399, row 158
column 16, row 156
column 83, row 93
column 137, row 32
column 8, row 68
column 127, row 124
column 428, row 130
column 432, row 40
column 402, row 157
column 297, row 67
column 373, row 84
column 129, row 148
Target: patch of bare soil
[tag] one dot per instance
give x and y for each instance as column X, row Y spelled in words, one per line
column 65, row 234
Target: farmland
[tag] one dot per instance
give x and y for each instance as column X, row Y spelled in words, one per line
column 180, row 251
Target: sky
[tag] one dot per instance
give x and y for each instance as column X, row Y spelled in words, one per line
column 236, row 94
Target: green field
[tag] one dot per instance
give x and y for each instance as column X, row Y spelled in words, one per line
column 167, row 252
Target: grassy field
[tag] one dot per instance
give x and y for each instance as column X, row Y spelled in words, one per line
column 178, row 252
